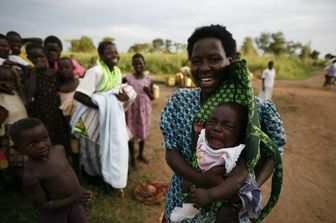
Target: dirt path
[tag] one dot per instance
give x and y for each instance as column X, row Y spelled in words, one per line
column 308, row 113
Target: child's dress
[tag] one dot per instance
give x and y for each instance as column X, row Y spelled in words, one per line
column 16, row 111
column 46, row 108
column 138, row 115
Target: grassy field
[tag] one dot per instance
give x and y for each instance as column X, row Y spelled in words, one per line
column 288, row 68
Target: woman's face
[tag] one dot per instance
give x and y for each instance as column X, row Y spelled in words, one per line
column 208, row 60
column 110, row 56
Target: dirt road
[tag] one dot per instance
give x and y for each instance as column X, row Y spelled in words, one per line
column 309, row 115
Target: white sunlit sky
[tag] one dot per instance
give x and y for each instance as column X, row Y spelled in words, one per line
column 307, row 21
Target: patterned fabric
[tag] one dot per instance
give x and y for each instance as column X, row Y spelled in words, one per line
column 138, row 115
column 240, row 91
column 176, row 126
column 46, row 108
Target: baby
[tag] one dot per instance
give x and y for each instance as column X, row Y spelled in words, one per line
column 220, row 143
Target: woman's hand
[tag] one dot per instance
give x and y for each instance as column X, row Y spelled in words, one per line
column 200, row 197
column 122, row 96
column 213, row 176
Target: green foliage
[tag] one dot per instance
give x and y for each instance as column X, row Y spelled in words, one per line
column 168, row 45
column 107, row 38
column 274, row 43
column 161, row 63
column 248, row 48
column 139, row 48
column 157, row 45
column 84, row 44
column 287, row 67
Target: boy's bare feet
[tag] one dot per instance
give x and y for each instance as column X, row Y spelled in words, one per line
column 143, row 159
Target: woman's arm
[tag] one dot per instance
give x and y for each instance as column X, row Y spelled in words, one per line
column 263, row 170
column 84, row 99
column 226, row 189
column 186, row 171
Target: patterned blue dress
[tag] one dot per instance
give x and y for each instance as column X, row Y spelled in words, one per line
column 176, row 127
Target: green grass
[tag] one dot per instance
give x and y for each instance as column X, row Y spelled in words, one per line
column 288, row 68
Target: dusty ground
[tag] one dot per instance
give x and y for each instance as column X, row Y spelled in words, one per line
column 309, row 115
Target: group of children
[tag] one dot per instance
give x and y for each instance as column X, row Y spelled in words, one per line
column 36, row 103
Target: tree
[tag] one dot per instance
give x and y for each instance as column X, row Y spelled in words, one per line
column 139, row 48
column 168, row 45
column 157, row 45
column 107, row 38
column 329, row 56
column 84, row 44
column 305, row 51
column 315, row 54
column 292, row 48
column 278, row 43
column 263, row 42
column 272, row 43
column 247, row 48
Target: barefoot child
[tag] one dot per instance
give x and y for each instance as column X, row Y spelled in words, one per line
column 68, row 104
column 138, row 115
column 48, row 176
column 220, row 143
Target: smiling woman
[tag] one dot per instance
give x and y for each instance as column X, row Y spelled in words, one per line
column 211, row 49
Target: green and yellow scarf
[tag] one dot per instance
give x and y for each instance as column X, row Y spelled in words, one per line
column 240, row 91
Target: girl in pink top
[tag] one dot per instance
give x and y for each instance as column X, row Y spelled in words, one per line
column 138, row 115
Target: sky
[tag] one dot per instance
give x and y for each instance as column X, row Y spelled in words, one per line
column 306, row 21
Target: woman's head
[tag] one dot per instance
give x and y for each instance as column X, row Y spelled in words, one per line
column 108, row 53
column 138, row 63
column 210, row 50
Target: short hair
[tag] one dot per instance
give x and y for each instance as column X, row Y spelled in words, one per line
column 53, row 39
column 138, row 55
column 65, row 59
column 103, row 45
column 32, row 46
column 16, row 129
column 12, row 33
column 2, row 36
column 216, row 31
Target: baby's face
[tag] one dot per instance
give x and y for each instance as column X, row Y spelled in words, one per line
column 34, row 141
column 224, row 127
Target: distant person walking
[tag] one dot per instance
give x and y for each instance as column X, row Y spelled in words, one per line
column 267, row 84
column 330, row 74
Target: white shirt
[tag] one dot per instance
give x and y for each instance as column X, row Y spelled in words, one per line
column 269, row 76
column 208, row 157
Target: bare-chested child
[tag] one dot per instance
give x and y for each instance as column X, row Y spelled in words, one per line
column 47, row 176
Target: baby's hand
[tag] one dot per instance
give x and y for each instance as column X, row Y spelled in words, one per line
column 186, row 186
column 86, row 197
column 200, row 197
